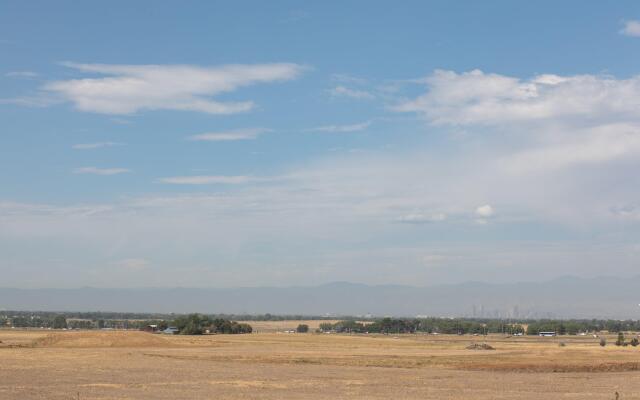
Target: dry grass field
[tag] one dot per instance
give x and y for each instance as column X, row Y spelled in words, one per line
column 137, row 365
column 286, row 325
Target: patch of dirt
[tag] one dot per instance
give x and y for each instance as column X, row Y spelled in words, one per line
column 480, row 346
column 101, row 339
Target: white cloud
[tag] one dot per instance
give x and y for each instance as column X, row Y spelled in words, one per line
column 240, row 134
column 422, row 218
column 342, row 91
column 343, row 128
column 594, row 145
column 100, row 171
column 492, row 99
column 97, row 145
column 631, row 28
column 484, row 211
column 206, row 180
column 541, row 124
column 127, row 89
column 22, row 74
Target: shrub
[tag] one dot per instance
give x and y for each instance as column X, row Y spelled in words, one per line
column 603, row 342
column 326, row 326
column 620, row 340
column 634, row 342
column 302, row 328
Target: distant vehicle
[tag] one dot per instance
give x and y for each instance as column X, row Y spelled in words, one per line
column 172, row 330
column 546, row 334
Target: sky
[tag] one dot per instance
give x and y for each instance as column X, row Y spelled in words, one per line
column 249, row 143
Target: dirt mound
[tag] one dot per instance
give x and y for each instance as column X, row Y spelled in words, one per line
column 479, row 346
column 101, row 339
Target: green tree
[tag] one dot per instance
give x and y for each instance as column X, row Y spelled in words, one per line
column 634, row 342
column 192, row 324
column 59, row 322
column 620, row 340
column 302, row 328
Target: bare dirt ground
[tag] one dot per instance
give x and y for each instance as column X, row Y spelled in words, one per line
column 136, row 365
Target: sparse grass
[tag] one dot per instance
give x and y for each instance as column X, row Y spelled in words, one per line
column 135, row 365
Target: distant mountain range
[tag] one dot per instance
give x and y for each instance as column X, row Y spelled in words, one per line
column 567, row 297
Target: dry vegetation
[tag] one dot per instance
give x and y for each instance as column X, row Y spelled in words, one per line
column 281, row 326
column 136, row 365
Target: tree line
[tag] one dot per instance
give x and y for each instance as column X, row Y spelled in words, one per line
column 192, row 324
column 214, row 323
column 474, row 326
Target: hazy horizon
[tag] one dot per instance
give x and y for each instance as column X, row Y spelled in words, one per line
column 567, row 297
column 331, row 283
column 249, row 144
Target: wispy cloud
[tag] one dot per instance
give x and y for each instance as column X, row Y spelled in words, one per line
column 240, row 134
column 100, row 171
column 22, row 74
column 346, row 78
column 206, row 180
column 97, row 145
column 343, row 91
column 127, row 89
column 419, row 218
column 37, row 101
column 343, row 128
column 631, row 28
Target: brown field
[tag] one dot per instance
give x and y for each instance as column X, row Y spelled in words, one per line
column 137, row 365
column 286, row 325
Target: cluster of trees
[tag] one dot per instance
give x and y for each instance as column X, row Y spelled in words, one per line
column 198, row 324
column 427, row 325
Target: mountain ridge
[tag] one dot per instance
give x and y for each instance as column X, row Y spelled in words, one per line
column 563, row 297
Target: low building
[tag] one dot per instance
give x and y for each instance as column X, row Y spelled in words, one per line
column 151, row 328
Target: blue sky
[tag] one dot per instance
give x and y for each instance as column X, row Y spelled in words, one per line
column 284, row 143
